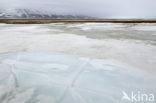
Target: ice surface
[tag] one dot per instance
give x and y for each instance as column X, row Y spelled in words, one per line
column 59, row 78
column 131, row 44
column 76, row 63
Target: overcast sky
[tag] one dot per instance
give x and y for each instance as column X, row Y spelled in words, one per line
column 96, row 8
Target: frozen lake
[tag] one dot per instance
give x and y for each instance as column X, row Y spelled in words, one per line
column 77, row 63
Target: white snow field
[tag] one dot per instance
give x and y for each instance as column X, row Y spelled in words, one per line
column 78, row 63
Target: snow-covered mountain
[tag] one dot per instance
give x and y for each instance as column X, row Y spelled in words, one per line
column 29, row 13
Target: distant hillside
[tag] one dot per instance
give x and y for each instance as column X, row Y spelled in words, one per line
column 27, row 13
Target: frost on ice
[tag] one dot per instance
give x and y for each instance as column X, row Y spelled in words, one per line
column 60, row 78
column 76, row 63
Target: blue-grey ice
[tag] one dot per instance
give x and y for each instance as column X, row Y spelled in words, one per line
column 60, row 78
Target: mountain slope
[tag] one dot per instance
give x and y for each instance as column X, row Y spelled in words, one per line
column 29, row 13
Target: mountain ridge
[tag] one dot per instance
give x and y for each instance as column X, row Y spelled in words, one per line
column 38, row 14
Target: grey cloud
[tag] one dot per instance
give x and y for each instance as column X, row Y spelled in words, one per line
column 96, row 8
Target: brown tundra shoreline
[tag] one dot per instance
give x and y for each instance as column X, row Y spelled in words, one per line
column 45, row 21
